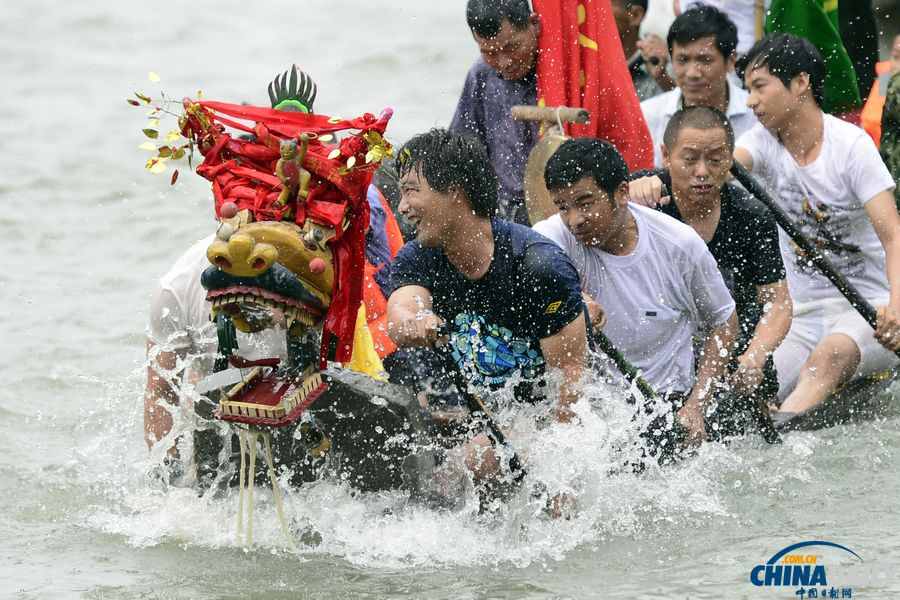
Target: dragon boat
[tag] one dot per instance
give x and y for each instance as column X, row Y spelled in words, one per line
column 289, row 252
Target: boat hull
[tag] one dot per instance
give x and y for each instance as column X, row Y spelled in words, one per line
column 368, row 433
column 859, row 400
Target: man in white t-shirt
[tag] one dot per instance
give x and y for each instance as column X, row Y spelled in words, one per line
column 653, row 275
column 702, row 43
column 828, row 176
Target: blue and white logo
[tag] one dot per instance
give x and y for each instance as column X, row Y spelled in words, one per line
column 820, row 569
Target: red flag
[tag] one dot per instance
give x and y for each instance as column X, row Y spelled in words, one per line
column 581, row 64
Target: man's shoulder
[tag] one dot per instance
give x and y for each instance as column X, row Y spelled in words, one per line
column 520, row 237
column 843, row 135
column 412, row 251
column 742, row 205
column 552, row 227
column 480, row 73
column 758, row 139
column 658, row 107
column 479, row 67
column 668, row 234
column 186, row 270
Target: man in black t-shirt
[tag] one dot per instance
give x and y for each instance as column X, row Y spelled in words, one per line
column 510, row 296
column 739, row 232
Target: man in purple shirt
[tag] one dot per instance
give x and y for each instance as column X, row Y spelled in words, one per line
column 506, row 32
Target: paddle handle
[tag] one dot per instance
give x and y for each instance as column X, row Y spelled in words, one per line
column 550, row 114
column 622, row 363
column 476, row 405
column 812, row 253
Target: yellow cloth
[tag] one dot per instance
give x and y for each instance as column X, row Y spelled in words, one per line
column 364, row 358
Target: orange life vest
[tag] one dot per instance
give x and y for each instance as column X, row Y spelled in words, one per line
column 871, row 112
column 373, row 299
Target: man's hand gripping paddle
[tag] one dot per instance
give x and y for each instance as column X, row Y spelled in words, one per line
column 761, row 413
column 476, row 405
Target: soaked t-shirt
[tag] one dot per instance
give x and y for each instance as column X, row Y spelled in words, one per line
column 826, row 201
column 656, row 297
column 529, row 292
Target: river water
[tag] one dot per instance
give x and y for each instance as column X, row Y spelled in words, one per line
column 87, row 231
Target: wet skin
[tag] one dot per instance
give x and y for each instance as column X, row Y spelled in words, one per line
column 512, row 52
column 701, row 72
column 594, row 218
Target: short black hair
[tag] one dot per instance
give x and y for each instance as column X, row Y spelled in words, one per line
column 579, row 157
column 703, row 21
column 698, row 117
column 451, row 161
column 485, row 16
column 786, row 55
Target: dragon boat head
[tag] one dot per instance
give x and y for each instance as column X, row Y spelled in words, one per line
column 267, row 271
column 290, row 243
column 291, row 201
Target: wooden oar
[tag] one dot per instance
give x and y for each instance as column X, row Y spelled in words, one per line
column 810, row 251
column 476, row 405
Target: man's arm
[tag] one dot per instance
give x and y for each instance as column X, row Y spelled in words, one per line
column 469, row 114
column 159, row 391
column 717, row 348
column 883, row 213
column 771, row 330
column 566, row 350
column 654, row 47
column 743, row 156
column 410, row 320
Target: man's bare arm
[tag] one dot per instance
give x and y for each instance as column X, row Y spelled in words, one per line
column 771, row 330
column 883, row 213
column 566, row 350
column 159, row 391
column 410, row 320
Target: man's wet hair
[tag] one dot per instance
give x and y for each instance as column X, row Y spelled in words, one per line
column 485, row 17
column 582, row 157
column 450, row 161
column 704, row 21
column 786, row 56
column 698, row 117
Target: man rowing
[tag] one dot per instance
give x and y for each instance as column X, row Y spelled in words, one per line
column 739, row 232
column 653, row 276
column 516, row 292
column 827, row 175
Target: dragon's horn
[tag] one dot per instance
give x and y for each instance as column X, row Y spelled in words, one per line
column 272, row 99
column 282, row 85
column 293, row 85
column 310, row 93
column 292, row 89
